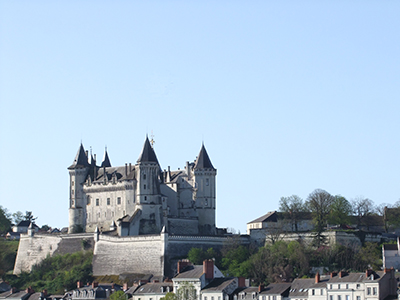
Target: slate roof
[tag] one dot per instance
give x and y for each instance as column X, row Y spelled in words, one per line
column 81, row 160
column 106, row 160
column 154, row 288
column 357, row 277
column 148, row 154
column 247, row 292
column 217, row 285
column 390, row 246
column 191, row 272
column 203, row 160
column 277, row 289
column 26, row 223
column 300, row 286
column 269, row 217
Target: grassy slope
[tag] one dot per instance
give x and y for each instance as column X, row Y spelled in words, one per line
column 8, row 253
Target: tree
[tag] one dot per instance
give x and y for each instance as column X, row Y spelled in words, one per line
column 5, row 221
column 319, row 203
column 186, row 291
column 362, row 208
column 29, row 216
column 341, row 211
column 118, row 295
column 293, row 207
column 169, row 296
column 17, row 217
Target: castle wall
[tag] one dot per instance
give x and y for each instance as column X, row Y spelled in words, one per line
column 183, row 226
column 32, row 250
column 133, row 254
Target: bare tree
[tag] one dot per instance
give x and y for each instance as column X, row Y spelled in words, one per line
column 292, row 207
column 319, row 203
column 362, row 208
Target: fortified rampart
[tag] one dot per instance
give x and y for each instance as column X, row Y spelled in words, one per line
column 33, row 249
column 114, row 255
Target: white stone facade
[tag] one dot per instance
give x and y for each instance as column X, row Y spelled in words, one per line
column 140, row 198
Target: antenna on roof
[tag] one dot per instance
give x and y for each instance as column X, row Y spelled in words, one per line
column 152, row 142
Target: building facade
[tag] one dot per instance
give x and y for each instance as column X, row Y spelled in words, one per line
column 141, row 198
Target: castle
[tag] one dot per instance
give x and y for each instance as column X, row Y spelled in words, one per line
column 141, row 199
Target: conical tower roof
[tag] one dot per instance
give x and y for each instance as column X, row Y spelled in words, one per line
column 106, row 160
column 148, row 154
column 203, row 160
column 81, row 160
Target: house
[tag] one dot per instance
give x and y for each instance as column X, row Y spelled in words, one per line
column 93, row 291
column 193, row 278
column 274, row 291
column 22, row 227
column 152, row 291
column 13, row 235
column 391, row 255
column 220, row 289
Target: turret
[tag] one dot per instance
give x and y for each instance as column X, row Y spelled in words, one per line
column 205, row 191
column 78, row 173
column 148, row 195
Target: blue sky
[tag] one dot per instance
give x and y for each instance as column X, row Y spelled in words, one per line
column 288, row 96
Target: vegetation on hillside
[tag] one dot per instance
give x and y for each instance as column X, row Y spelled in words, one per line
column 56, row 273
column 284, row 261
column 8, row 253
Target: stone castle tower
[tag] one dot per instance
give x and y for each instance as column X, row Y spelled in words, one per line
column 142, row 198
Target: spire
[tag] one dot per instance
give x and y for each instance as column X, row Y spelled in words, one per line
column 148, row 154
column 203, row 160
column 106, row 161
column 81, row 159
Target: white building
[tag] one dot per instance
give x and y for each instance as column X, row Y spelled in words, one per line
column 141, row 198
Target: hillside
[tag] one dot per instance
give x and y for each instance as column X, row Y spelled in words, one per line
column 8, row 253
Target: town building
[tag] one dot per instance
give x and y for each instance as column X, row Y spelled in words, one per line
column 142, row 198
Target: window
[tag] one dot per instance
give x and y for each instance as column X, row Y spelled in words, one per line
column 145, row 198
column 205, row 202
column 108, row 201
column 322, row 291
column 358, row 297
column 330, row 297
column 374, row 291
column 347, row 286
column 119, row 200
column 72, row 191
column 338, row 286
column 144, row 187
column 205, row 298
column 72, row 183
column 212, row 298
column 207, row 182
column 97, row 202
column 369, row 291
column 313, row 292
column 339, row 297
column 347, row 297
column 144, row 176
column 330, row 286
column 273, row 297
column 73, row 202
column 358, row 285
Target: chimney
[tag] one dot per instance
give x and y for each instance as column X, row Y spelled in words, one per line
column 13, row 290
column 79, row 284
column 342, row 274
column 125, row 286
column 95, row 284
column 317, row 278
column 368, row 273
column 333, row 274
column 29, row 290
column 241, row 282
column 182, row 264
column 208, row 268
column 260, row 288
column 43, row 293
column 130, row 167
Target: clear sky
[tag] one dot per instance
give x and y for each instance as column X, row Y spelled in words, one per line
column 288, row 96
